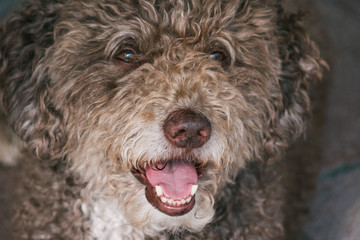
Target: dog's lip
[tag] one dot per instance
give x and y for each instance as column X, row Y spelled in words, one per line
column 156, row 201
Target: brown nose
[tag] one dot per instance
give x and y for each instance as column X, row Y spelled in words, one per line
column 187, row 129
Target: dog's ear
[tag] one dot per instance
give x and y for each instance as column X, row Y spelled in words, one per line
column 301, row 67
column 24, row 90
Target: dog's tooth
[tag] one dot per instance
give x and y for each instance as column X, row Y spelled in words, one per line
column 188, row 199
column 171, row 202
column 194, row 189
column 164, row 199
column 183, row 201
column 159, row 190
column 177, row 203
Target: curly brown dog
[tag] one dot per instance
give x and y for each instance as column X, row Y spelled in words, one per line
column 157, row 119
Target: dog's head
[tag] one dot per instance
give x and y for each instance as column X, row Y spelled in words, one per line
column 176, row 94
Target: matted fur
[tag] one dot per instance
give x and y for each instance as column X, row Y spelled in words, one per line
column 95, row 118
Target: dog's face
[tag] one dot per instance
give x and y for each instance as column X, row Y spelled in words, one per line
column 160, row 103
column 175, row 97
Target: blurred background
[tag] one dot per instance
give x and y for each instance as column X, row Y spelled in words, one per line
column 335, row 26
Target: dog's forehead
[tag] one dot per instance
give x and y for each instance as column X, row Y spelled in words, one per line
column 159, row 28
column 177, row 17
column 148, row 23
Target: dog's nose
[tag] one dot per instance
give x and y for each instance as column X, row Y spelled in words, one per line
column 186, row 128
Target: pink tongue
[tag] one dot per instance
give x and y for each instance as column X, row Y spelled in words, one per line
column 176, row 179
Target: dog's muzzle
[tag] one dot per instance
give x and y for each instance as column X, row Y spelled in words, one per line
column 171, row 184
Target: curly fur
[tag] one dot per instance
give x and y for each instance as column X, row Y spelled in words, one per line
column 94, row 118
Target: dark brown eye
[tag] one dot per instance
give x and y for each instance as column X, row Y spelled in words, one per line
column 220, row 56
column 217, row 56
column 127, row 56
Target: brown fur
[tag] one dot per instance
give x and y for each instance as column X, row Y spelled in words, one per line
column 94, row 118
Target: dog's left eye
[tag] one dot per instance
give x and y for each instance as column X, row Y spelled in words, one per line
column 219, row 56
column 127, row 56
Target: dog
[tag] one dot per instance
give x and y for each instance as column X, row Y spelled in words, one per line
column 154, row 119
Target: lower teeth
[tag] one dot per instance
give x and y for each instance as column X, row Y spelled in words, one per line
column 172, row 202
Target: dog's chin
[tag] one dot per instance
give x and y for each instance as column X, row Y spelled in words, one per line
column 170, row 186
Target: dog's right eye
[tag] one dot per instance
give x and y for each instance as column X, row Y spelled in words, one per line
column 128, row 56
column 220, row 56
column 217, row 56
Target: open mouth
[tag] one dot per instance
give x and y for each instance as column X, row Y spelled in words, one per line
column 170, row 186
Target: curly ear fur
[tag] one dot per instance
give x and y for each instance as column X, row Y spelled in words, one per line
column 301, row 62
column 24, row 38
column 301, row 66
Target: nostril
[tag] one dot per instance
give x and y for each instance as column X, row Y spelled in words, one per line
column 180, row 133
column 204, row 133
column 187, row 129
